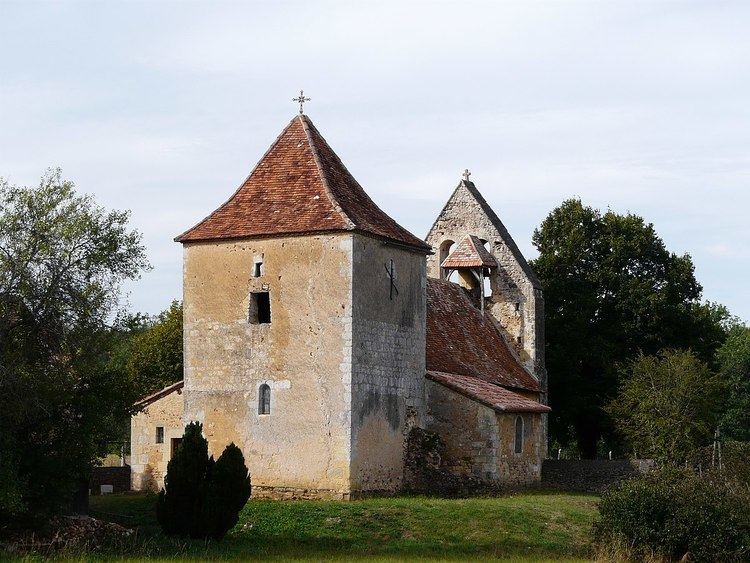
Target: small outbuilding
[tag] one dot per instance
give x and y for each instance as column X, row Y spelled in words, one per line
column 155, row 434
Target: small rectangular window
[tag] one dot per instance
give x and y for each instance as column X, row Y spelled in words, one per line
column 159, row 434
column 258, row 269
column 260, row 308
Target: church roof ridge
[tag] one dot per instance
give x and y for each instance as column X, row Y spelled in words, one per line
column 307, row 123
column 299, row 186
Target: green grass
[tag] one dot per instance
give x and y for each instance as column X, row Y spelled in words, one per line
column 529, row 526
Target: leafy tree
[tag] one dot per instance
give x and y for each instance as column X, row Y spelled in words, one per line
column 612, row 291
column 202, row 498
column 734, row 361
column 226, row 492
column 62, row 262
column 155, row 352
column 668, row 405
column 146, row 352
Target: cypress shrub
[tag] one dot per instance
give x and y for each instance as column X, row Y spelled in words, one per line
column 202, row 498
column 179, row 501
column 226, row 492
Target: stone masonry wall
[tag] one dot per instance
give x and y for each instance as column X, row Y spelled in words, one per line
column 480, row 442
column 119, row 478
column 388, row 361
column 304, row 355
column 469, row 431
column 591, row 475
column 148, row 460
column 524, row 469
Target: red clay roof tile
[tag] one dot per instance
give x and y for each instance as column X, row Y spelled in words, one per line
column 462, row 341
column 469, row 253
column 168, row 390
column 299, row 186
column 494, row 396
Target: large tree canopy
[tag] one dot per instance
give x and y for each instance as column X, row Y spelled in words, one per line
column 612, row 291
column 62, row 261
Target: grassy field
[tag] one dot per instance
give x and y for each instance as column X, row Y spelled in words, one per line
column 530, row 526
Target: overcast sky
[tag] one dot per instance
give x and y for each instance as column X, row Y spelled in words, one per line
column 164, row 108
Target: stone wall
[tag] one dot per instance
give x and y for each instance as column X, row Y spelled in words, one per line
column 590, row 475
column 117, row 477
column 149, row 459
column 524, row 469
column 303, row 354
column 388, row 361
column 479, row 442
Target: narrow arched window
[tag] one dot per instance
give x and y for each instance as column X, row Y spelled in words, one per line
column 519, row 435
column 445, row 249
column 264, row 399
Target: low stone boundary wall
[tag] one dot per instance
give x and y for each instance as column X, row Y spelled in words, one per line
column 291, row 493
column 590, row 475
column 117, row 477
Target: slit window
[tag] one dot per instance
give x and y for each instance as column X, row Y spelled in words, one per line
column 518, row 445
column 264, row 399
column 260, row 308
column 159, row 434
column 257, row 269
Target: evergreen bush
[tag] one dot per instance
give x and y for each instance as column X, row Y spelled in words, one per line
column 672, row 513
column 202, row 498
column 179, row 500
column 226, row 492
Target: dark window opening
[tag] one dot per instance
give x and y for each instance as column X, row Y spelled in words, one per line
column 445, row 249
column 175, row 445
column 264, row 399
column 258, row 269
column 519, row 435
column 260, row 308
column 159, row 434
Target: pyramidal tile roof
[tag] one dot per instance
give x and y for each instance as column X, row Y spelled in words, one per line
column 300, row 186
column 470, row 253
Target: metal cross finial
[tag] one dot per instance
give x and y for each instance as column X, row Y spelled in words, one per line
column 301, row 100
column 466, row 175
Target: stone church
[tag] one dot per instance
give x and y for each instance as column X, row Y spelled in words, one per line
column 318, row 333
